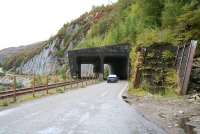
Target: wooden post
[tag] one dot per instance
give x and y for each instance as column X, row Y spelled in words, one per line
column 93, row 78
column 188, row 67
column 65, row 80
column 47, row 84
column 95, row 75
column 86, row 80
column 33, row 86
column 137, row 71
column 77, row 80
column 90, row 79
column 14, row 88
column 71, row 80
column 56, row 80
column 82, row 81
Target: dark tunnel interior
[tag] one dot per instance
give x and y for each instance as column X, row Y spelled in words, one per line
column 119, row 65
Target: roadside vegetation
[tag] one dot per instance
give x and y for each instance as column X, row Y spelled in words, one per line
column 138, row 22
column 22, row 54
column 143, row 23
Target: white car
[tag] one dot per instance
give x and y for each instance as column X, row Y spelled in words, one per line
column 112, row 78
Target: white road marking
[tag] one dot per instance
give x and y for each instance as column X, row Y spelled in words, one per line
column 122, row 91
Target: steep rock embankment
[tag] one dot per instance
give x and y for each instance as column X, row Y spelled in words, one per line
column 42, row 63
column 53, row 56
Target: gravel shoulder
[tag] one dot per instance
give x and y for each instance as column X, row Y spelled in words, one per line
column 95, row 109
column 174, row 115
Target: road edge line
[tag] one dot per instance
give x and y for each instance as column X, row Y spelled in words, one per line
column 122, row 91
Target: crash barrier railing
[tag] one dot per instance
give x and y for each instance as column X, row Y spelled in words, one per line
column 184, row 62
column 14, row 93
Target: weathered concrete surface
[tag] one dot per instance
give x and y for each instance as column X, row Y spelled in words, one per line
column 97, row 109
column 117, row 56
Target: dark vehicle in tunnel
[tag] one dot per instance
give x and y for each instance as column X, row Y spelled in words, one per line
column 112, row 78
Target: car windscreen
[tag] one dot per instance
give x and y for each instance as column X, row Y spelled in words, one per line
column 112, row 77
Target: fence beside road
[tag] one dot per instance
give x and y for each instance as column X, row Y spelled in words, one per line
column 14, row 92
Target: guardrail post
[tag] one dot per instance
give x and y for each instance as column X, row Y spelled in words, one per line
column 93, row 80
column 65, row 80
column 188, row 67
column 77, row 80
column 14, row 88
column 71, row 82
column 47, row 84
column 90, row 79
column 33, row 86
column 56, row 80
column 96, row 78
column 82, row 81
column 86, row 80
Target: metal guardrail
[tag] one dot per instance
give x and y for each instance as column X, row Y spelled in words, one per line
column 23, row 91
column 183, row 64
column 184, row 61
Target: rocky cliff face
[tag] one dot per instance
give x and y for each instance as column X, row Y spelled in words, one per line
column 42, row 63
column 53, row 56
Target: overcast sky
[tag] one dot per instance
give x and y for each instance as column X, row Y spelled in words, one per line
column 24, row 22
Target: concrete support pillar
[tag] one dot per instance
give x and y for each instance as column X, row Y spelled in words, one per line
column 101, row 71
column 79, row 70
column 75, row 67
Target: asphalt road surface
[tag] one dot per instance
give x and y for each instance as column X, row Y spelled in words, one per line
column 96, row 109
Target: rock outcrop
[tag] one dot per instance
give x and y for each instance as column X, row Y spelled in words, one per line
column 53, row 56
column 42, row 63
column 194, row 85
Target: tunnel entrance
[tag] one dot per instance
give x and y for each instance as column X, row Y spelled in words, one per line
column 116, row 57
column 118, row 65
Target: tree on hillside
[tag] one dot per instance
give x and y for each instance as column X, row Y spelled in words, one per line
column 151, row 11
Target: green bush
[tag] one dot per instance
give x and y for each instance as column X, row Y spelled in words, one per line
column 63, row 73
column 60, row 53
column 19, row 85
column 168, row 55
column 2, row 88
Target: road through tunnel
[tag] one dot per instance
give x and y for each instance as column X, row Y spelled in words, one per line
column 116, row 56
column 118, row 65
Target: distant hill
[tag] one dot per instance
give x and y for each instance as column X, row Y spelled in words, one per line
column 8, row 56
column 138, row 22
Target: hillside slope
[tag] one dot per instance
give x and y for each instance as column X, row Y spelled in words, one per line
column 139, row 22
column 53, row 57
column 12, row 56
